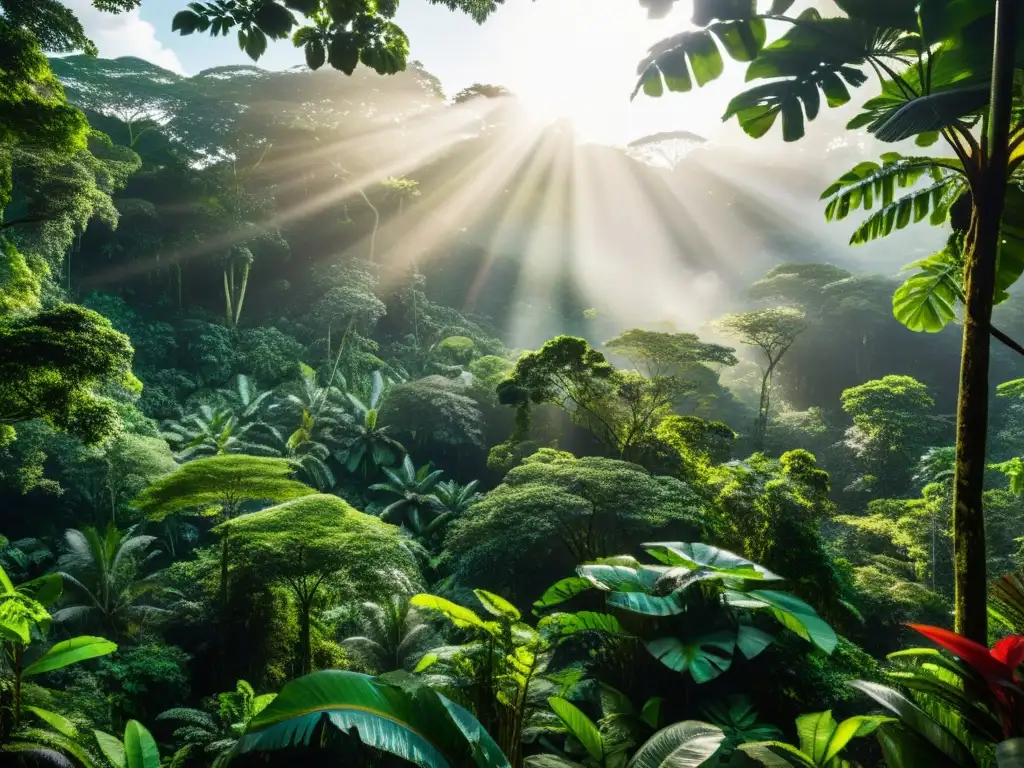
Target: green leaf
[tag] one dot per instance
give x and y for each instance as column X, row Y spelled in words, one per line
column 568, row 624
column 917, row 721
column 695, row 55
column 651, row 712
column 815, row 731
column 562, row 590
column 932, row 112
column 751, row 640
column 581, row 726
column 851, row 728
column 112, row 748
column 705, row 658
column 648, row 605
column 461, row 617
column 70, row 652
column 798, row 616
column 185, row 22
column 395, row 713
column 927, row 301
column 56, row 721
column 688, row 744
column 305, row 7
column 698, row 555
column 255, row 44
column 316, row 55
column 776, row 754
column 45, row 590
column 343, row 52
column 497, row 606
column 274, row 20
column 139, row 747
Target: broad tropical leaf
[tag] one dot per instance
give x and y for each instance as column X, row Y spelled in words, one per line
column 927, row 301
column 705, row 658
column 698, row 555
column 396, row 714
column 112, row 748
column 581, row 726
column 675, row 63
column 497, row 605
column 563, row 590
column 568, row 624
column 461, row 617
column 140, row 749
column 688, row 744
column 798, row 616
column 70, row 652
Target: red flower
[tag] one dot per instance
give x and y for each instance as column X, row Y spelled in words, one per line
column 998, row 667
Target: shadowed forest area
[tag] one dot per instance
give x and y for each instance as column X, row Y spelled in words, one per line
column 344, row 419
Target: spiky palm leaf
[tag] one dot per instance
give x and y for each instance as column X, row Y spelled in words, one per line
column 416, row 506
column 209, row 432
column 104, row 586
column 394, row 634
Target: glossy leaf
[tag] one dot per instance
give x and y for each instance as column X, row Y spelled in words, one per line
column 933, row 112
column 688, row 744
column 569, row 624
column 461, row 617
column 112, row 748
column 917, row 721
column 140, row 749
column 648, row 605
column 698, row 555
column 795, row 614
column 70, row 652
column 705, row 657
column 815, row 732
column 497, row 605
column 579, row 725
column 563, row 590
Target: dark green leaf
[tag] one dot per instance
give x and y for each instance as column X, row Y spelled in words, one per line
column 343, row 52
column 705, row 658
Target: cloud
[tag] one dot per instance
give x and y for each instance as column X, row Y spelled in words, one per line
column 124, row 34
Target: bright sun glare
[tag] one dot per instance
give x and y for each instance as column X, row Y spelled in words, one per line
column 575, row 60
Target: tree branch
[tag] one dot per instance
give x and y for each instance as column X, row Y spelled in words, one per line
column 996, row 333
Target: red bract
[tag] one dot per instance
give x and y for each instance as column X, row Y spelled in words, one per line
column 998, row 667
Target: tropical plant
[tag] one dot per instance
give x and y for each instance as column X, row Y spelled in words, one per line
column 941, row 74
column 138, row 749
column 106, row 585
column 209, row 432
column 393, row 713
column 822, row 742
column 24, row 619
column 688, row 744
column 417, row 507
column 215, row 734
column 246, row 400
column 741, row 723
column 455, row 498
column 309, row 455
column 318, row 404
column 368, row 445
column 694, row 611
column 493, row 672
column 394, row 635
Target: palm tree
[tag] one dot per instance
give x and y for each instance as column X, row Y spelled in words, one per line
column 245, row 399
column 308, row 454
column 102, row 573
column 394, row 635
column 322, row 404
column 368, row 445
column 416, row 507
column 210, row 432
column 458, row 498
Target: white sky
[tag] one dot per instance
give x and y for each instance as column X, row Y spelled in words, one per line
column 564, row 58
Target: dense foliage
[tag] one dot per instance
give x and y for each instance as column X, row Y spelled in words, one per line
column 289, row 475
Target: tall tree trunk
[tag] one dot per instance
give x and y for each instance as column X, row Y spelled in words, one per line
column 241, row 292
column 982, row 250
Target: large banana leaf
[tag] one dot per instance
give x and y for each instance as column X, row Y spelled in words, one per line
column 396, row 714
column 688, row 744
column 70, row 652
